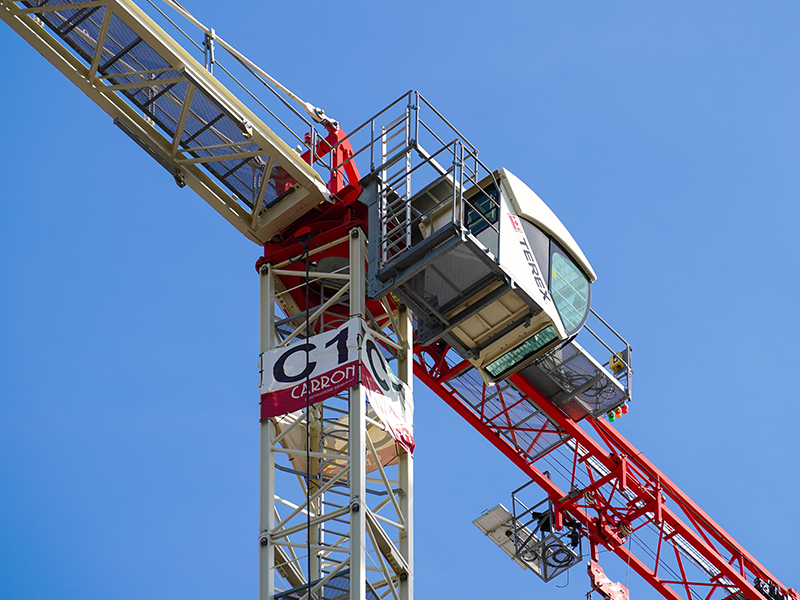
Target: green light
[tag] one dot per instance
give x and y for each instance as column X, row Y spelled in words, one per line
column 525, row 350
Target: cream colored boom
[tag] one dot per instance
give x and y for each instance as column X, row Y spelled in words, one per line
column 175, row 109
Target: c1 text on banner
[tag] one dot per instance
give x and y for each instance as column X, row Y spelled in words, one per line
column 321, row 366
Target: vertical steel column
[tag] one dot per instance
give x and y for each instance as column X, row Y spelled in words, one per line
column 315, row 476
column 405, row 371
column 266, row 520
column 358, row 432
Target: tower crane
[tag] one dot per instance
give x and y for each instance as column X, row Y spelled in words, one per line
column 391, row 250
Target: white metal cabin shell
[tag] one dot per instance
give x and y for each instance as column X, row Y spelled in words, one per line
column 492, row 271
column 548, row 271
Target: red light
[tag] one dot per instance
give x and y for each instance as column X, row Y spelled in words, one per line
column 624, row 409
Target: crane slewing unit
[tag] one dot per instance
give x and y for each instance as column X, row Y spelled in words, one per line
column 436, row 244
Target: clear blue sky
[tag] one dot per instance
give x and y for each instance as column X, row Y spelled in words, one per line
column 665, row 135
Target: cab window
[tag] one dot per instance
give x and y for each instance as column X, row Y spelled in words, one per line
column 482, row 209
column 570, row 290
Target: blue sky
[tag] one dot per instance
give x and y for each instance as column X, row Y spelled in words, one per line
column 664, row 135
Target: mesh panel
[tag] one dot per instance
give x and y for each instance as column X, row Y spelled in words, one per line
column 79, row 28
column 466, row 273
column 337, row 588
column 571, row 368
column 548, row 557
column 207, row 126
column 127, row 59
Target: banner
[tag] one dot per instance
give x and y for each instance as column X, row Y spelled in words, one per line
column 323, row 365
column 332, row 362
column 389, row 397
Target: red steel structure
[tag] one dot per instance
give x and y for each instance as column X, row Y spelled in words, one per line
column 610, row 488
column 606, row 484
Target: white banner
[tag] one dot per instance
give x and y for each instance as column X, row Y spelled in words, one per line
column 389, row 397
column 329, row 363
column 321, row 366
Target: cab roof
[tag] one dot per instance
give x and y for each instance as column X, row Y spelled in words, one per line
column 530, row 207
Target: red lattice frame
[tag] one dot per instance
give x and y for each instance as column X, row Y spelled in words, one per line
column 613, row 491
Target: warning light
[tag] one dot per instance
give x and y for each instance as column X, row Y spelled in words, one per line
column 611, row 417
column 624, row 409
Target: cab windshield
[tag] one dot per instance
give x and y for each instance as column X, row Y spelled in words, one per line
column 570, row 289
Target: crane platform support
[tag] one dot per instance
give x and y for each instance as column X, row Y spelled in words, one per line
column 336, row 513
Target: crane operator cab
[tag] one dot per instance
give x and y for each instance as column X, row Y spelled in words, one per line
column 499, row 278
column 548, row 297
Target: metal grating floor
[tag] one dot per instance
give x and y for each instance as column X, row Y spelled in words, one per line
column 210, row 136
column 576, row 382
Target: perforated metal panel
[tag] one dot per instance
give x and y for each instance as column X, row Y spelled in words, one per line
column 447, row 281
column 576, row 382
column 548, row 557
column 336, row 588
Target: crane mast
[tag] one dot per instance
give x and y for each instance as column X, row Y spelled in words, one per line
column 349, row 277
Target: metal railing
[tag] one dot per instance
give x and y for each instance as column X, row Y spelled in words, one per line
column 407, row 144
column 410, row 145
column 303, row 127
column 619, row 361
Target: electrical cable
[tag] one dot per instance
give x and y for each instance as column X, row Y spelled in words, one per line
column 306, row 253
column 174, row 24
column 628, row 572
column 566, row 584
